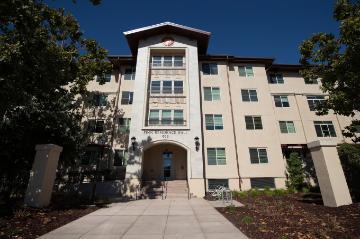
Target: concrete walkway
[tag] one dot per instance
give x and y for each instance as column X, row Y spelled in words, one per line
column 151, row 219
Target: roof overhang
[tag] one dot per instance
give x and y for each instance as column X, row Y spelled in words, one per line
column 134, row 36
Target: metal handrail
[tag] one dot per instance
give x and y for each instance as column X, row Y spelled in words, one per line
column 188, row 189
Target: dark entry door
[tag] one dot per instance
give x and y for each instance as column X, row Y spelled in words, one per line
column 167, row 165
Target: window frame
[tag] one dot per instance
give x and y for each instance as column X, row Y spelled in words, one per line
column 246, row 71
column 253, row 125
column 281, row 101
column 212, row 93
column 321, row 125
column 314, row 100
column 96, row 126
column 127, row 100
column 288, row 129
column 211, row 118
column 124, row 128
column 218, row 161
column 130, row 76
column 209, row 68
column 258, row 159
column 251, row 97
column 276, row 78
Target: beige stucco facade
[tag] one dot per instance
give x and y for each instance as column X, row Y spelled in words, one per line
column 237, row 170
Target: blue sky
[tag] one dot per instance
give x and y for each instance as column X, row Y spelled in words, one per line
column 257, row 28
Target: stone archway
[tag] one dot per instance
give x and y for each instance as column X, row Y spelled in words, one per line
column 162, row 160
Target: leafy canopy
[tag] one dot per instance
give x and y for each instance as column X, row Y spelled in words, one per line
column 336, row 61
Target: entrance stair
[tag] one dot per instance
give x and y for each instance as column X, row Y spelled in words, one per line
column 173, row 189
column 176, row 189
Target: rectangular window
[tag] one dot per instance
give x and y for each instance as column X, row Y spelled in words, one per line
column 99, row 99
column 258, row 155
column 216, row 156
column 106, row 77
column 324, row 129
column 127, row 98
column 281, row 101
column 253, row 122
column 154, row 117
column 249, row 95
column 262, row 182
column 178, row 117
column 167, row 61
column 211, row 93
column 91, row 157
column 129, row 74
column 156, row 61
column 246, row 71
column 124, row 125
column 167, row 87
column 210, row 68
column 166, row 117
column 120, row 157
column 215, row 183
column 287, row 127
column 178, row 61
column 314, row 101
column 311, row 81
column 155, row 87
column 276, row 78
column 178, row 87
column 213, row 122
column 96, row 126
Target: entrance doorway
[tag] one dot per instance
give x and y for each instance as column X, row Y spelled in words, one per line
column 164, row 162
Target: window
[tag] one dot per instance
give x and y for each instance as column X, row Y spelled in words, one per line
column 129, row 74
column 127, row 98
column 154, row 117
column 246, row 71
column 178, row 61
column 213, row 122
column 314, row 101
column 106, row 77
column 287, row 127
column 253, row 122
column 168, row 117
column 258, row 155
column 178, row 87
column 324, row 129
column 216, row 156
column 262, row 182
column 91, row 157
column 99, row 99
column 167, row 87
column 249, row 95
column 311, row 81
column 155, row 87
column 214, row 183
column 120, row 157
column 211, row 93
column 167, row 61
column 276, row 78
column 124, row 125
column 281, row 101
column 178, row 117
column 96, row 126
column 209, row 68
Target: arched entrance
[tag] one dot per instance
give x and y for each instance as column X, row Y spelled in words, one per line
column 164, row 161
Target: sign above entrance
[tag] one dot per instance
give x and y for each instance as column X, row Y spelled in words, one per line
column 168, row 41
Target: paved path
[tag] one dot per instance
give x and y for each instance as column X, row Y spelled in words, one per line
column 151, row 219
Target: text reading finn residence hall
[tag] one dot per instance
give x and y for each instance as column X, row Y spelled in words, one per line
column 173, row 112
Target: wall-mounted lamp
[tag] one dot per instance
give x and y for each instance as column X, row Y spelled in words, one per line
column 197, row 143
column 133, row 143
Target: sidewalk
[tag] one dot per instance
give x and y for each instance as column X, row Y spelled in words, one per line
column 151, row 219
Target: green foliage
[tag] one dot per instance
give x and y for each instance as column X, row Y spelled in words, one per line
column 230, row 209
column 45, row 65
column 247, row 220
column 260, row 192
column 350, row 160
column 295, row 172
column 335, row 60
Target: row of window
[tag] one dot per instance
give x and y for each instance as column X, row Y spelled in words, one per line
column 322, row 128
column 254, row 182
column 166, row 87
column 167, row 61
column 166, row 117
column 98, row 125
column 217, row 156
column 247, row 71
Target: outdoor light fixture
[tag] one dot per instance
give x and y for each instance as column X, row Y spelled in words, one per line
column 133, row 143
column 197, row 143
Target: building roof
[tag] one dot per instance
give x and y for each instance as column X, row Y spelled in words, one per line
column 134, row 36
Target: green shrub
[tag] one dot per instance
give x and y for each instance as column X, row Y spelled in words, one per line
column 247, row 220
column 295, row 172
column 230, row 209
column 350, row 160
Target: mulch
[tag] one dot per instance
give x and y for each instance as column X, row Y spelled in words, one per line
column 293, row 216
column 28, row 223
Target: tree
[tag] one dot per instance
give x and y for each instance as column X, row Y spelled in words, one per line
column 336, row 61
column 45, row 65
column 295, row 172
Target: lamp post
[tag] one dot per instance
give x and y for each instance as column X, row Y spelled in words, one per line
column 133, row 142
column 197, row 143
